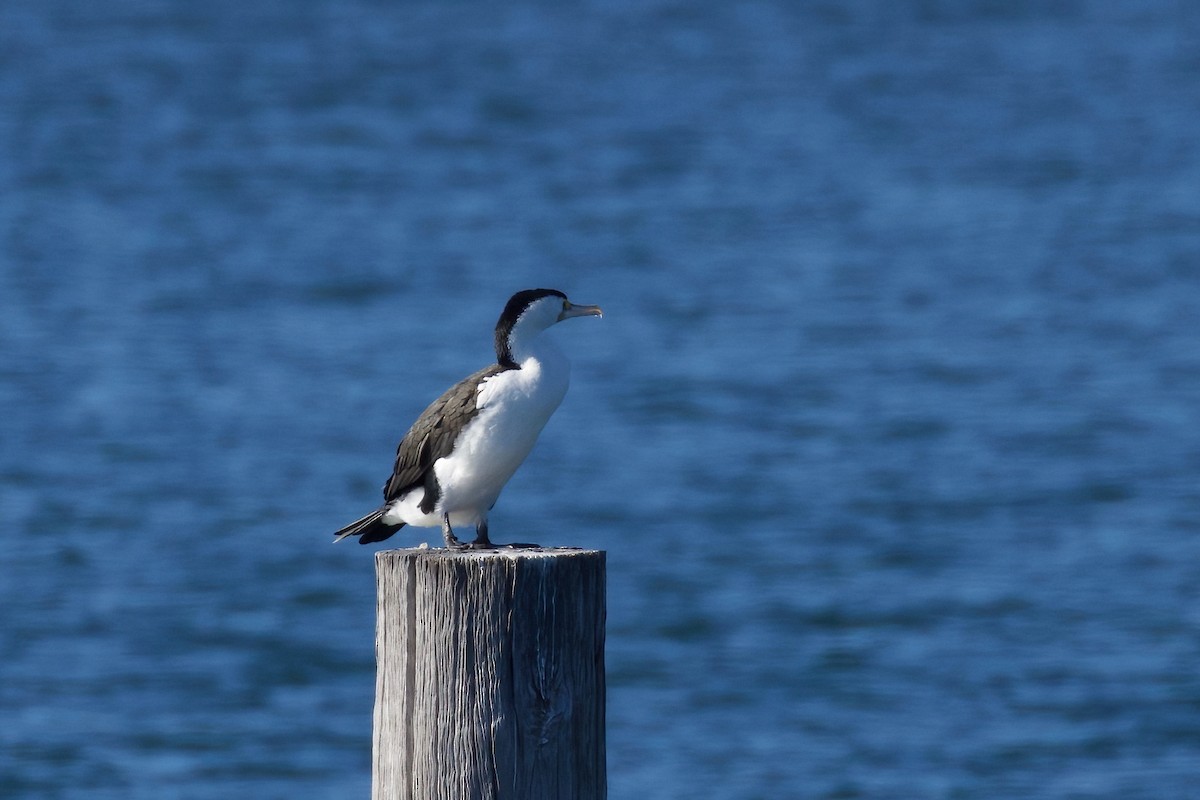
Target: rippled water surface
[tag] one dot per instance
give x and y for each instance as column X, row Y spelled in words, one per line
column 889, row 430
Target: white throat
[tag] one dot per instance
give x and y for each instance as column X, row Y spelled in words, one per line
column 526, row 341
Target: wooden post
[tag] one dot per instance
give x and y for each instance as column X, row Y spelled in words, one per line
column 490, row 675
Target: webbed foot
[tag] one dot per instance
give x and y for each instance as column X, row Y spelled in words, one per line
column 482, row 542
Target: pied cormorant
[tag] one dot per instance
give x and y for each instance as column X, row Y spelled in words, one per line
column 457, row 456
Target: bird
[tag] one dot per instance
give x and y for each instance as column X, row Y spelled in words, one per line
column 456, row 458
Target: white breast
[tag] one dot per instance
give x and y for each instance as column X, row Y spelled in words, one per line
column 513, row 406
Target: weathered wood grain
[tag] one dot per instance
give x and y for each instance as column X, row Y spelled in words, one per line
column 490, row 675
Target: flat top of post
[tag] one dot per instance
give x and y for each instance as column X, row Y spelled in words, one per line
column 502, row 552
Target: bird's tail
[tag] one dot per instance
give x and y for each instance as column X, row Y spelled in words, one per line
column 370, row 528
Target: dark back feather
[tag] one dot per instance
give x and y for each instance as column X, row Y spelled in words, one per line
column 433, row 435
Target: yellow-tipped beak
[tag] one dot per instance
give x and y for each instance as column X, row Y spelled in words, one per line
column 572, row 310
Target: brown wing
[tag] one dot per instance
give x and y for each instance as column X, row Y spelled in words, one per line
column 432, row 436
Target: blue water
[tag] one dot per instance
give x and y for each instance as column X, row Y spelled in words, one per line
column 889, row 430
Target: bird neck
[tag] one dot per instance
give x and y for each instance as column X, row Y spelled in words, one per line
column 519, row 339
column 516, row 350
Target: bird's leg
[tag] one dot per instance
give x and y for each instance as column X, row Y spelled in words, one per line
column 482, row 542
column 452, row 542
